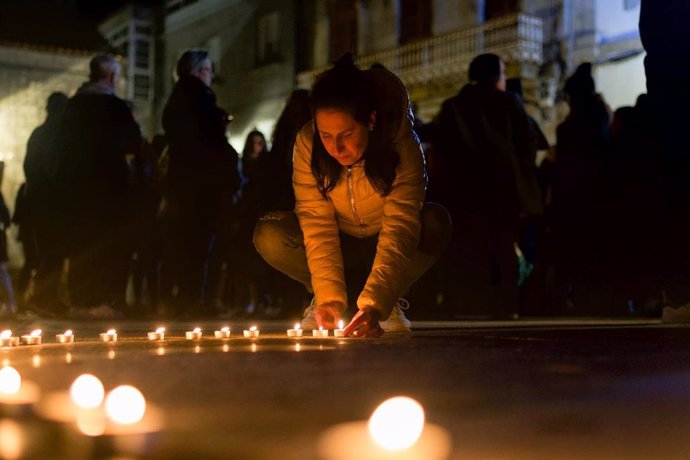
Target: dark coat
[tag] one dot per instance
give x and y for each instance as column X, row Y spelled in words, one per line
column 486, row 152
column 98, row 149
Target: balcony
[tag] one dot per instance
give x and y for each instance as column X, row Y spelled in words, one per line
column 517, row 38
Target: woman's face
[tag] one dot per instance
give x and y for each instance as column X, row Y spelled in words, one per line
column 205, row 72
column 258, row 144
column 344, row 138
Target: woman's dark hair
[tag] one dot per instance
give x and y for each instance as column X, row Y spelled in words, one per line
column 347, row 88
column 249, row 144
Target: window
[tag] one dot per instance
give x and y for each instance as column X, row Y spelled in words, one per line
column 141, row 87
column 268, row 38
column 343, row 31
column 141, row 58
column 415, row 20
column 496, row 8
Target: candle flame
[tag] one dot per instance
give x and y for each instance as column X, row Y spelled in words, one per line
column 10, row 380
column 160, row 330
column 125, row 405
column 111, row 332
column 340, row 324
column 297, row 326
column 68, row 332
column 321, row 328
column 253, row 328
column 87, row 391
column 36, row 333
column 196, row 330
column 397, row 423
column 6, row 334
column 225, row 329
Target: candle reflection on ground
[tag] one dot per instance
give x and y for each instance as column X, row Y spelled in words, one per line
column 11, row 440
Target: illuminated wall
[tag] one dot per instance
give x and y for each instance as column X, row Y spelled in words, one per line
column 27, row 77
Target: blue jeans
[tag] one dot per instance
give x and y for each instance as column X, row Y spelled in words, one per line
column 278, row 238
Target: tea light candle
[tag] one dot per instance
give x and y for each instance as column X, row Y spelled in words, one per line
column 223, row 333
column 194, row 334
column 65, row 337
column 16, row 394
column 340, row 332
column 109, row 336
column 320, row 332
column 34, row 338
column 6, row 339
column 252, row 332
column 296, row 332
column 158, row 334
column 396, row 430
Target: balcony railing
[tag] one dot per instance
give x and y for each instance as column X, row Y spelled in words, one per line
column 516, row 38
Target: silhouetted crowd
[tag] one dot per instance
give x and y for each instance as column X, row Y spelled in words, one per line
column 113, row 225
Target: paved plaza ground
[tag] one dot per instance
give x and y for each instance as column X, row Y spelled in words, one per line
column 525, row 389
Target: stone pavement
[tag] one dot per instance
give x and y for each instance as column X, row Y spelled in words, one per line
column 526, row 389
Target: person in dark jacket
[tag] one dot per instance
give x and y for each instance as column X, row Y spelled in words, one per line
column 485, row 148
column 202, row 175
column 37, row 219
column 98, row 144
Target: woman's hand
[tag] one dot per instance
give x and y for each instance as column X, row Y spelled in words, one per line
column 328, row 314
column 365, row 324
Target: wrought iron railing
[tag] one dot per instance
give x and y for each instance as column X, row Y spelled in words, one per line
column 516, row 38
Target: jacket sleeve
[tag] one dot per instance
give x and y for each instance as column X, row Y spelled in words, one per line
column 319, row 225
column 401, row 227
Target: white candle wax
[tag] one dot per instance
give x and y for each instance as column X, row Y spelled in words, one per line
column 251, row 332
column 109, row 336
column 320, row 332
column 295, row 332
column 340, row 332
column 223, row 333
column 158, row 334
column 32, row 339
column 194, row 334
column 66, row 337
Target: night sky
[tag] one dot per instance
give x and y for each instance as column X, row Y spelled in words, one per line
column 68, row 24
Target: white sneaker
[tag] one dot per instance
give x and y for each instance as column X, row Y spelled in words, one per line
column 309, row 320
column 397, row 321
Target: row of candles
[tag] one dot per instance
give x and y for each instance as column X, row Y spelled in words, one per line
column 35, row 337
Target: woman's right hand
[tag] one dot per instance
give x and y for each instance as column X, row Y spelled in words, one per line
column 365, row 324
column 328, row 314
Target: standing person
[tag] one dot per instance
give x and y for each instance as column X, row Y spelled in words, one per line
column 360, row 226
column 98, row 143
column 579, row 195
column 256, row 180
column 39, row 218
column 486, row 155
column 202, row 176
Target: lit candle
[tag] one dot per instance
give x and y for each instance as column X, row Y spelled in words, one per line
column 296, row 332
column 340, row 332
column 194, row 334
column 65, row 337
column 34, row 338
column 158, row 334
column 252, row 332
column 320, row 332
column 6, row 339
column 109, row 336
column 223, row 333
column 396, row 429
column 16, row 394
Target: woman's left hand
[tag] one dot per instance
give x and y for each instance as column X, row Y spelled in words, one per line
column 365, row 324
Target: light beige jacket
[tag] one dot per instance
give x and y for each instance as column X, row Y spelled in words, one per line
column 356, row 208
